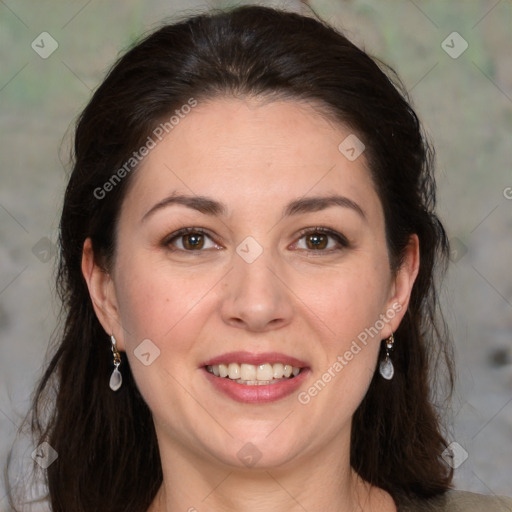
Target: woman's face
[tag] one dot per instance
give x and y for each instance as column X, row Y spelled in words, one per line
column 283, row 266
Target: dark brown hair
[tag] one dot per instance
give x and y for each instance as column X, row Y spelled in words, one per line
column 108, row 453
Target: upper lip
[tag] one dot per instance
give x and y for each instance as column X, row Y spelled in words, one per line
column 255, row 359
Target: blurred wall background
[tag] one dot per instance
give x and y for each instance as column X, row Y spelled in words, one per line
column 454, row 57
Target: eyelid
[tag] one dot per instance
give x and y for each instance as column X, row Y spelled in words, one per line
column 339, row 237
column 167, row 241
column 336, row 235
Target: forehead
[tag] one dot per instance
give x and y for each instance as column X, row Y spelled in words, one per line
column 254, row 150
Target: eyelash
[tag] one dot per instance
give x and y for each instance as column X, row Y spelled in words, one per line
column 338, row 237
column 182, row 232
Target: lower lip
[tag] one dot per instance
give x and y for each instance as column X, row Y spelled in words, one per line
column 256, row 394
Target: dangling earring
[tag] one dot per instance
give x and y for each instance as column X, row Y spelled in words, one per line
column 386, row 368
column 116, row 379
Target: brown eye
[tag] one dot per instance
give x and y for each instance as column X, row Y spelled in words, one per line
column 317, row 241
column 322, row 240
column 189, row 240
column 193, row 241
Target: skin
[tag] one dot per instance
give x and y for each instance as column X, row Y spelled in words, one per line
column 255, row 157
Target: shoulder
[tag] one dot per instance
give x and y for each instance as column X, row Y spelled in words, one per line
column 460, row 501
column 468, row 501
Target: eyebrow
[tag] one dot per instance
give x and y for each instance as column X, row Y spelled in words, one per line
column 315, row 204
column 212, row 207
column 200, row 203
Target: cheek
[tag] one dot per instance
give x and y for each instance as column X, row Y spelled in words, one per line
column 346, row 301
column 349, row 304
column 157, row 298
column 166, row 309
column 342, row 378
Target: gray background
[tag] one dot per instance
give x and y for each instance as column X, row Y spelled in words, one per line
column 464, row 102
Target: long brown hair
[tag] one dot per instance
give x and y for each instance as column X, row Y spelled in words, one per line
column 108, row 453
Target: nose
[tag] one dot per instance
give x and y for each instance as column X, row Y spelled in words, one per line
column 256, row 297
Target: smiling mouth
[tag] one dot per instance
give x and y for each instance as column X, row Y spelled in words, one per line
column 254, row 375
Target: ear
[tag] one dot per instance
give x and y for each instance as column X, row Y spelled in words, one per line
column 103, row 294
column 402, row 284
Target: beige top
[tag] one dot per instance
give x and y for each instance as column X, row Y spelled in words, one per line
column 460, row 501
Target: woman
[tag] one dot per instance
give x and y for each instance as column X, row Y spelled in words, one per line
column 248, row 247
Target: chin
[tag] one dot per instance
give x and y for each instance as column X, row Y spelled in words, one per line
column 259, row 451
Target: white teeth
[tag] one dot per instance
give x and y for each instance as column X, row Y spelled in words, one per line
column 278, row 370
column 253, row 375
column 265, row 372
column 247, row 372
column 223, row 370
column 234, row 371
column 257, row 382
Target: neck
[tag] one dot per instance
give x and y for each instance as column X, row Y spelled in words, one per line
column 324, row 483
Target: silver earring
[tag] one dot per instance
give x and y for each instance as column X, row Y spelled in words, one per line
column 116, row 379
column 386, row 368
